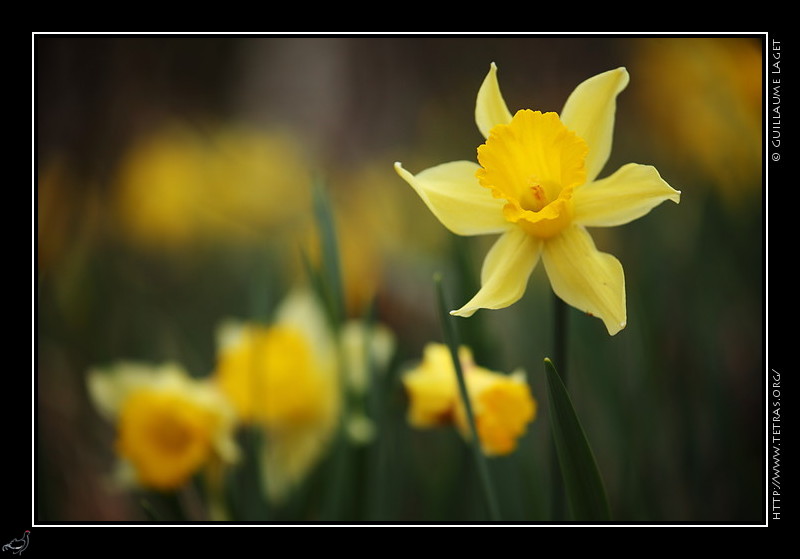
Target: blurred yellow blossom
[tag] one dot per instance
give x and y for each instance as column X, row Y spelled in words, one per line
column 503, row 404
column 719, row 82
column 168, row 425
column 284, row 378
column 535, row 183
column 183, row 185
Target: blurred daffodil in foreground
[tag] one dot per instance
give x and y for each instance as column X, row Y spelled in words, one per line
column 535, row 183
column 502, row 404
column 168, row 425
column 283, row 378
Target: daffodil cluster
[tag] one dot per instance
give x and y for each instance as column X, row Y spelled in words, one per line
column 287, row 378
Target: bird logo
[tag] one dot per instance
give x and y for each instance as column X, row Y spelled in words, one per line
column 18, row 545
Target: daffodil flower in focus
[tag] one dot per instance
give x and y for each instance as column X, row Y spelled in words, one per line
column 169, row 425
column 535, row 183
column 503, row 404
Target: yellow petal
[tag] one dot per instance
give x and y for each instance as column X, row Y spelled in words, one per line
column 626, row 195
column 490, row 108
column 288, row 456
column 108, row 388
column 587, row 279
column 503, row 406
column 505, row 272
column 589, row 112
column 432, row 395
column 452, row 192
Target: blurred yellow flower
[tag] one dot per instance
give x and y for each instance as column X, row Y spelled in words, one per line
column 503, row 404
column 284, row 378
column 535, row 184
column 181, row 186
column 168, row 425
column 717, row 80
column 271, row 377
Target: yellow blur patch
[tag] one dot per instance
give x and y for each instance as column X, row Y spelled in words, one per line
column 181, row 186
column 271, row 377
column 166, row 436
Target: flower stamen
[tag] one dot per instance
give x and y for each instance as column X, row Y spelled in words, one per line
column 537, row 199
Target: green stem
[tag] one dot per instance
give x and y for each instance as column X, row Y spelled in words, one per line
column 557, row 496
column 480, row 460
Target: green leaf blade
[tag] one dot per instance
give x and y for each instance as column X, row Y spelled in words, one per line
column 453, row 343
column 584, row 486
column 331, row 271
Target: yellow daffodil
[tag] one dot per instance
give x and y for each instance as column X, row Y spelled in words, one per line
column 502, row 404
column 168, row 425
column 535, row 182
column 283, row 378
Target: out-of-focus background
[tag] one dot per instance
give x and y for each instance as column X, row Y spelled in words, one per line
column 173, row 191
